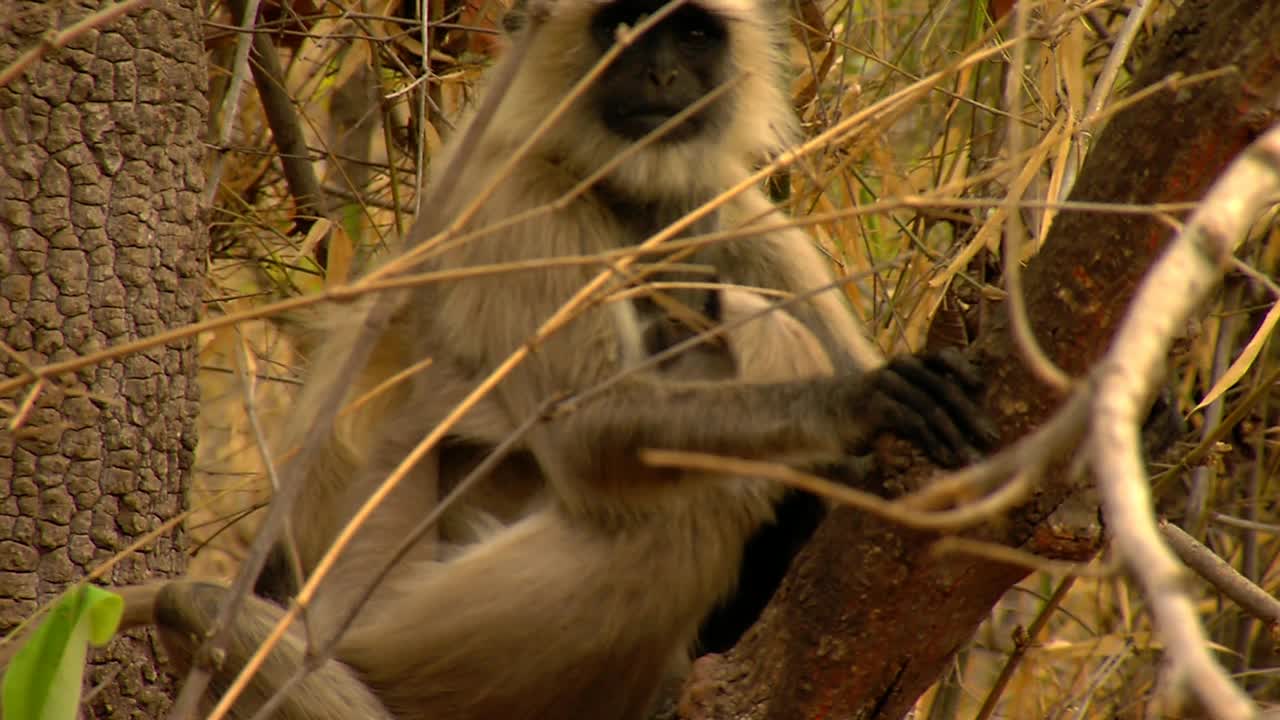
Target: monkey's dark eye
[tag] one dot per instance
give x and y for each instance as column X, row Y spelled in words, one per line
column 696, row 29
column 696, row 38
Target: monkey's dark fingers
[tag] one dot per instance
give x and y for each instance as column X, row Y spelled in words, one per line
column 979, row 431
column 955, row 364
column 944, row 442
column 901, row 419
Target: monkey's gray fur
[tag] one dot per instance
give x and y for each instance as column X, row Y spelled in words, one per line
column 577, row 577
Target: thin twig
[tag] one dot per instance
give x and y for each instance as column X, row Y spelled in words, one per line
column 1104, row 85
column 1108, row 668
column 231, row 101
column 28, row 403
column 868, row 502
column 282, row 118
column 13, row 639
column 355, row 290
column 55, row 41
column 1018, row 558
column 1202, row 475
column 550, row 326
column 250, row 399
column 374, row 323
column 1028, row 453
column 422, row 238
column 367, row 334
column 1103, row 88
column 1022, row 642
column 278, row 512
column 1037, row 360
column 785, row 160
column 1240, row 589
column 1243, row 524
column 315, row 659
column 1209, row 441
column 720, row 329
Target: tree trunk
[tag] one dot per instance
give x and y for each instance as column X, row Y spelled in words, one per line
column 102, row 241
column 869, row 618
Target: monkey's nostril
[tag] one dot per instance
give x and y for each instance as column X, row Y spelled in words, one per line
column 662, row 77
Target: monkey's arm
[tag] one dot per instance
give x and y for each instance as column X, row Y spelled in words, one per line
column 919, row 398
column 789, row 260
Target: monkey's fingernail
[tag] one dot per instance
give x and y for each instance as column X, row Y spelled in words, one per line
column 945, row 457
column 989, row 434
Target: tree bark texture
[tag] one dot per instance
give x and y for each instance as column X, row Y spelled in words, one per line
column 102, row 241
column 869, row 618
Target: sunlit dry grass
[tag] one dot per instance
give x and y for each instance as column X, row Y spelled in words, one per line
column 357, row 81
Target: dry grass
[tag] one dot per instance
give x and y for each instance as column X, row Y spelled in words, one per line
column 946, row 146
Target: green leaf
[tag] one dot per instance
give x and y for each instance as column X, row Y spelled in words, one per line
column 43, row 681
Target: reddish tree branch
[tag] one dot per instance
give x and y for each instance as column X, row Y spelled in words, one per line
column 869, row 618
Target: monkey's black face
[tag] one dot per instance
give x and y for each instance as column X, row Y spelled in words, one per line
column 667, row 69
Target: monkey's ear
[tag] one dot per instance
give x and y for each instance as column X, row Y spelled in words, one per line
column 516, row 17
column 523, row 12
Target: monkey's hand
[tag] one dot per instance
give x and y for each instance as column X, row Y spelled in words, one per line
column 927, row 399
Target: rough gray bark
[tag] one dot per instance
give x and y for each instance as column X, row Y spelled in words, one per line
column 101, row 241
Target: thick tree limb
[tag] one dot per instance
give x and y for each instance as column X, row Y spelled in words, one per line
column 869, row 618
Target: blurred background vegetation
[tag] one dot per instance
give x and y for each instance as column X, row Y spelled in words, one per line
column 373, row 94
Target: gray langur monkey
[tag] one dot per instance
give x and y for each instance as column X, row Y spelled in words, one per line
column 588, row 572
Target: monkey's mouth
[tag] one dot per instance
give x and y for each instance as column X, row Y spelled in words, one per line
column 634, row 122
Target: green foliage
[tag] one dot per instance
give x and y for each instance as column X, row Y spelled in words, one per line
column 43, row 681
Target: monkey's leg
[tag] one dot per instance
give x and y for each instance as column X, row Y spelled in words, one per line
column 552, row 618
column 184, row 612
column 328, row 502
